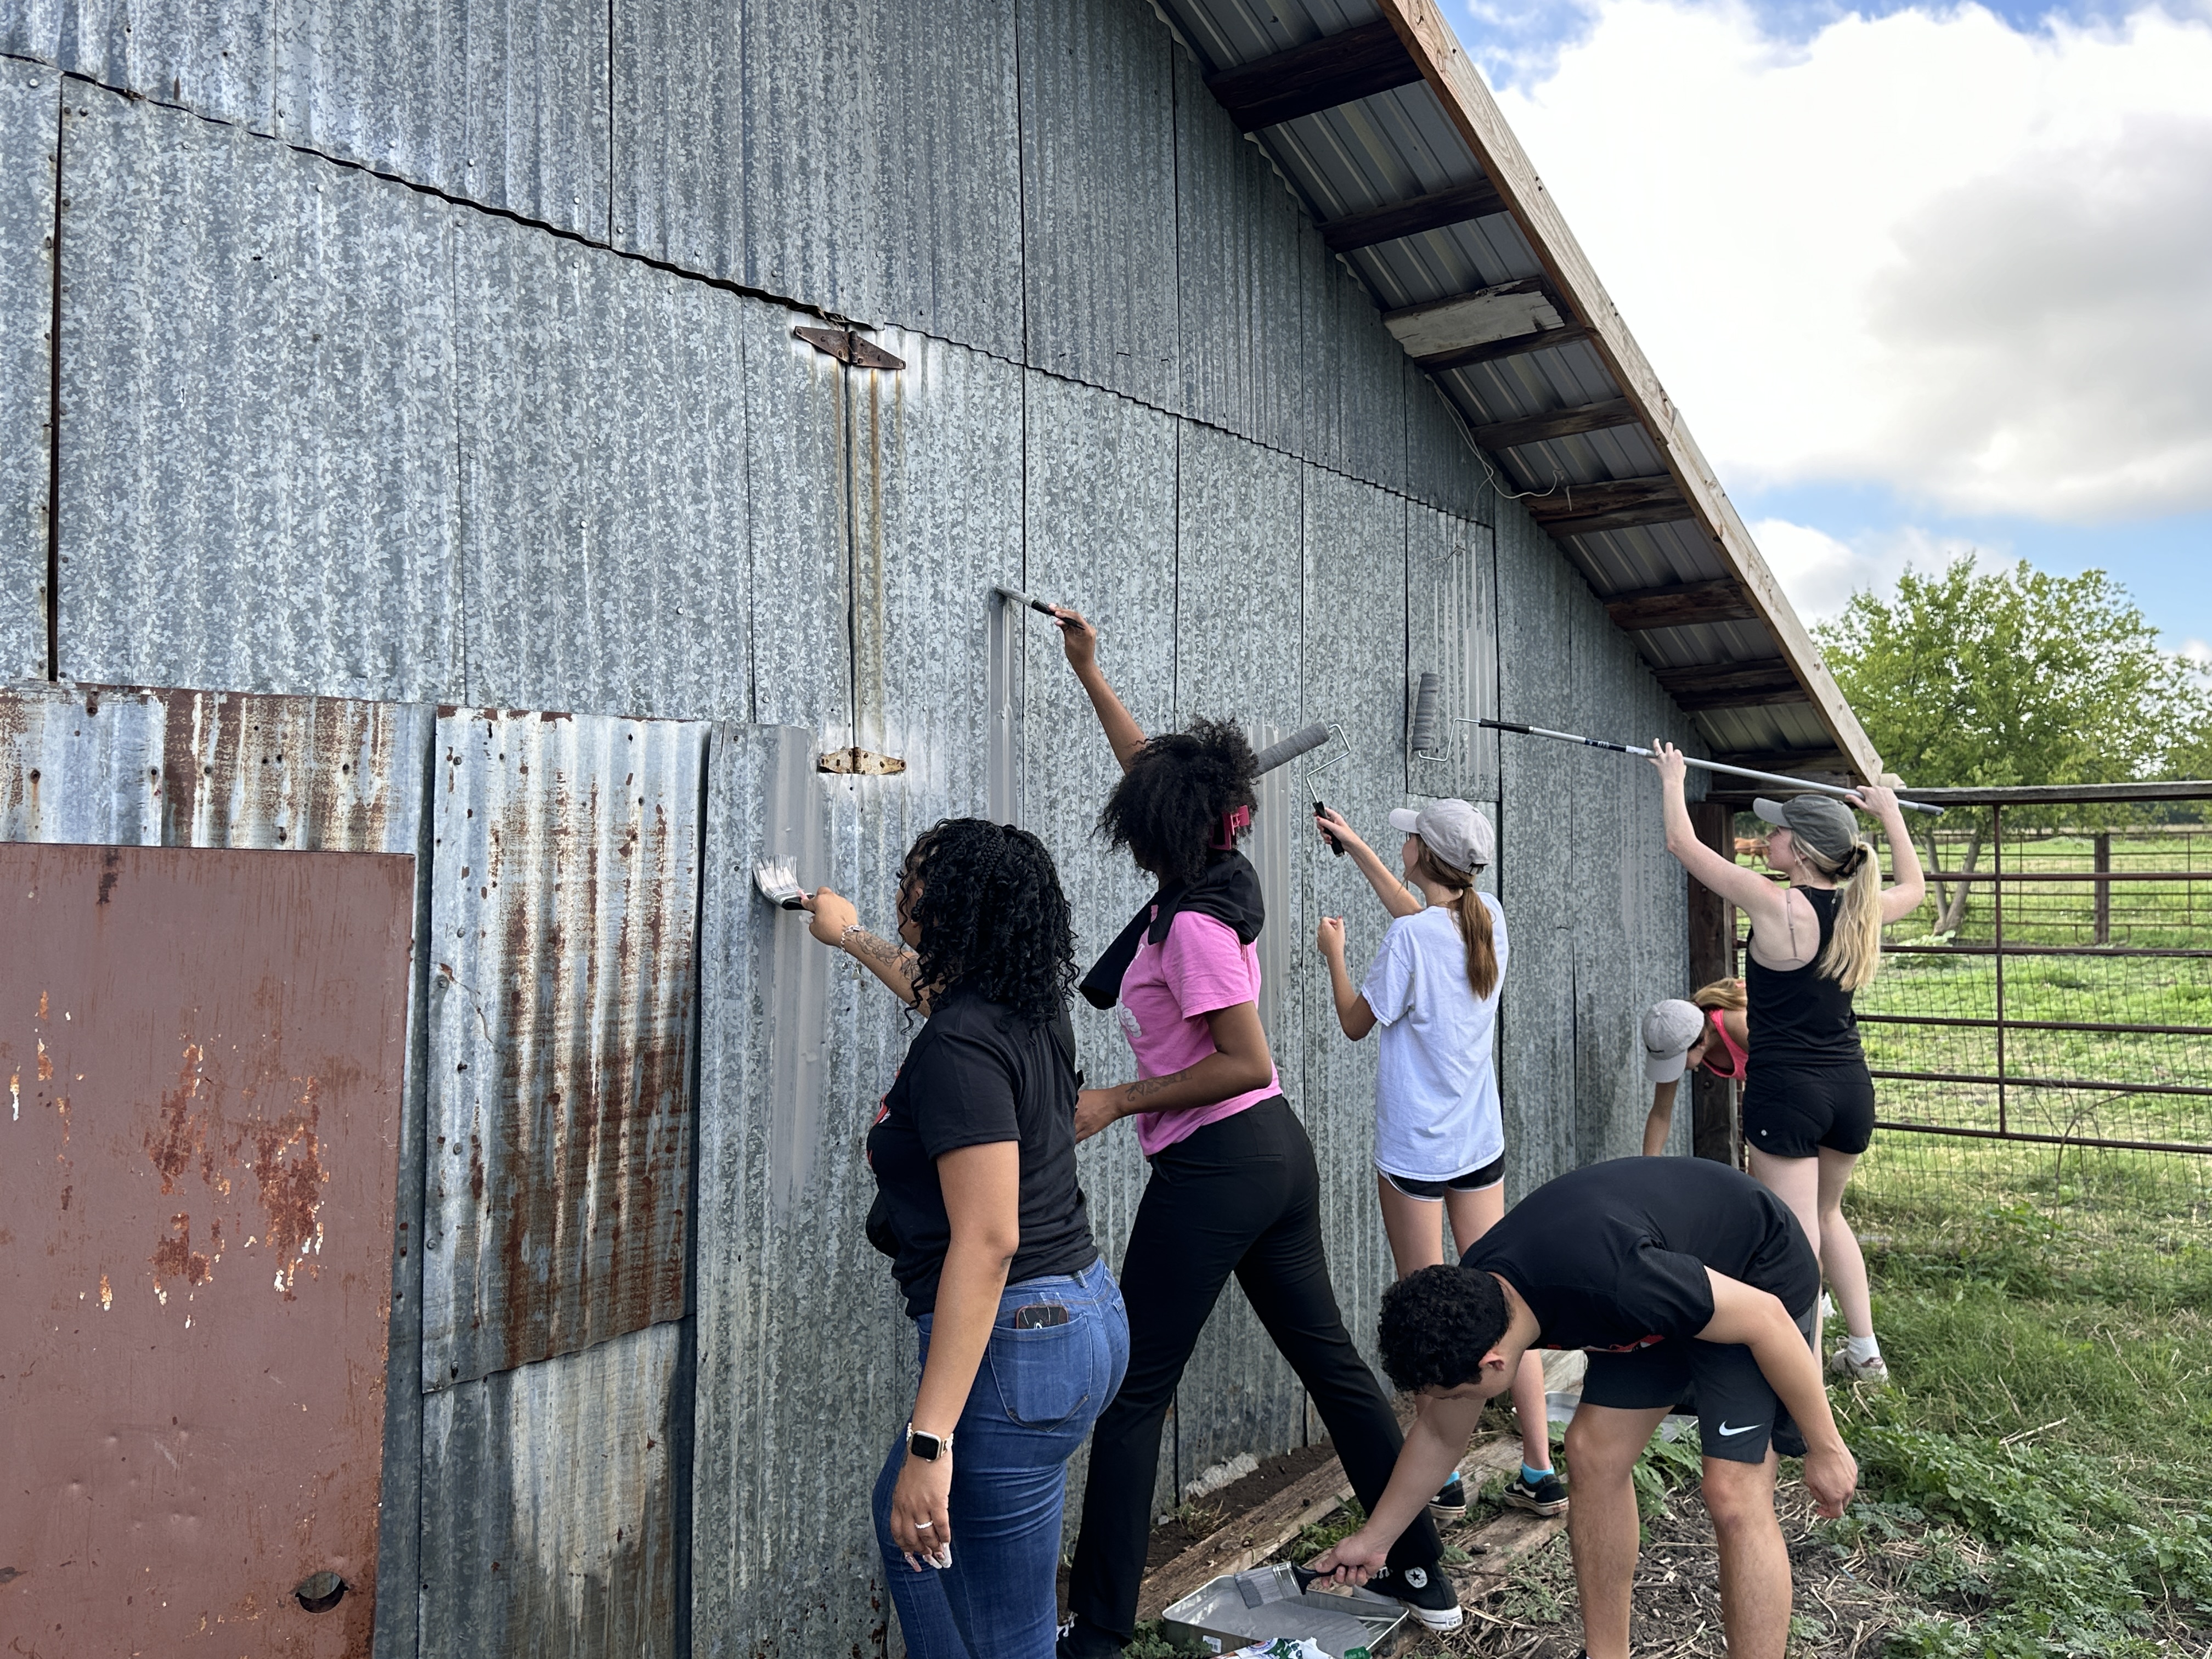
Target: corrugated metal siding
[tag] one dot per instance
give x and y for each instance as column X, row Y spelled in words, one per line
column 1237, row 613
column 549, row 1508
column 798, row 512
column 507, row 103
column 30, row 130
column 1442, row 467
column 1355, row 374
column 805, row 1358
column 1539, row 877
column 563, row 924
column 1098, row 195
column 1355, row 608
column 214, row 58
column 1237, row 257
column 1100, row 473
column 257, row 472
column 31, row 28
column 870, row 164
column 603, row 444
column 1451, row 630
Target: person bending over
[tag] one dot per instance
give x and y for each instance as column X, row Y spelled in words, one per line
column 1439, row 1132
column 1702, row 1282
column 1816, row 942
column 1234, row 1188
column 1022, row 1330
column 1710, row 1030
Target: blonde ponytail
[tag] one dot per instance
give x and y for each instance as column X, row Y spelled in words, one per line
column 1473, row 916
column 1854, row 950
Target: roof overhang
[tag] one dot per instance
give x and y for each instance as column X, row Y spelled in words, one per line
column 1386, row 131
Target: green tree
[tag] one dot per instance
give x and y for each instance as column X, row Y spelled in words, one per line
column 1987, row 680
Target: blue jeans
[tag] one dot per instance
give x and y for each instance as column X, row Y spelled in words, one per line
column 1036, row 1395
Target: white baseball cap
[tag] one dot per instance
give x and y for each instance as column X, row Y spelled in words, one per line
column 1671, row 1029
column 1458, row 835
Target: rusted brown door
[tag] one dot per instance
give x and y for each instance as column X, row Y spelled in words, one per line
column 203, row 1054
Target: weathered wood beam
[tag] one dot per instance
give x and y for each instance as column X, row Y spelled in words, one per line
column 1580, row 501
column 1518, row 345
column 1558, row 424
column 1522, row 307
column 1393, row 220
column 1337, row 69
column 1748, row 684
column 1679, row 604
column 1589, row 524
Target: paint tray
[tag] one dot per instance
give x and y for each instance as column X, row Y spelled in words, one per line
column 1215, row 1617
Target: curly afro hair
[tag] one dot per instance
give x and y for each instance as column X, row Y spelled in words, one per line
column 986, row 899
column 1436, row 1324
column 1168, row 806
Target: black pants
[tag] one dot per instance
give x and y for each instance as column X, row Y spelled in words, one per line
column 1239, row 1196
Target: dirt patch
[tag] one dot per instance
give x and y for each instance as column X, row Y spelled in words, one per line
column 1838, row 1613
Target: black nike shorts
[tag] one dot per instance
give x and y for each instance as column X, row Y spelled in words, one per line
column 1738, row 1411
column 1793, row 1111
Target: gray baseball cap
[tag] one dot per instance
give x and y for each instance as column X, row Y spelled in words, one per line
column 1670, row 1030
column 1453, row 830
column 1821, row 822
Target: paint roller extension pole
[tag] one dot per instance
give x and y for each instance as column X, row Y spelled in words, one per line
column 1702, row 765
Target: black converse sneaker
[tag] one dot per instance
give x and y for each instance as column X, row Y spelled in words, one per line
column 1426, row 1590
column 1449, row 1504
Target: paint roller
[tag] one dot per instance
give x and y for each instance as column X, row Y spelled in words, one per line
column 1428, row 696
column 1800, row 785
column 1304, row 741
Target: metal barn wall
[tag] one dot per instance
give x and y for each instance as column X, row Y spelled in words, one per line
column 445, row 356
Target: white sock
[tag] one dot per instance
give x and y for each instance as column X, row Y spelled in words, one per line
column 1862, row 1349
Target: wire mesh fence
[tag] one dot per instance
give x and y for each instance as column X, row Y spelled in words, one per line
column 2041, row 1028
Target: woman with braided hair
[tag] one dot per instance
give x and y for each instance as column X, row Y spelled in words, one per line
column 1234, row 1189
column 1815, row 940
column 1023, row 1335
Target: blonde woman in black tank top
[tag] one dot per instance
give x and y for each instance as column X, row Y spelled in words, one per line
column 1808, row 1104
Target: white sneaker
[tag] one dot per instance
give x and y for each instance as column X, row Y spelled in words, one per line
column 1873, row 1370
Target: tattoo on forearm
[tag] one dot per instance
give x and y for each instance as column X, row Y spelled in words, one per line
column 883, row 953
column 1145, row 1087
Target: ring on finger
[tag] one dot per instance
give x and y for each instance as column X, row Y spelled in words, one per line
column 925, row 1526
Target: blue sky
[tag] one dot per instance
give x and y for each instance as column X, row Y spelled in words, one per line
column 1922, row 278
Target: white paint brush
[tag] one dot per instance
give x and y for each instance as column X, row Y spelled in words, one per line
column 778, row 883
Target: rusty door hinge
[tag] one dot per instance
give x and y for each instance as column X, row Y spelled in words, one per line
column 861, row 762
column 847, row 347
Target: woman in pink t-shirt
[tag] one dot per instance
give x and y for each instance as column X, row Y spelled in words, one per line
column 1234, row 1189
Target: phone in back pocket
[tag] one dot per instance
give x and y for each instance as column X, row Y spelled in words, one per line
column 1039, row 1315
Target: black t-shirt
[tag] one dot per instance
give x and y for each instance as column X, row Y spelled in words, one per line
column 977, row 1073
column 1612, row 1256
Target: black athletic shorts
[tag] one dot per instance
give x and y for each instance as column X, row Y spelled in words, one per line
column 1473, row 1181
column 1792, row 1111
column 1738, row 1411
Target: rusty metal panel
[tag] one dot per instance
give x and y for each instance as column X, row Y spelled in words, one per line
column 124, row 765
column 1239, row 295
column 30, row 135
column 1101, row 472
column 805, row 1364
column 1355, row 621
column 603, row 461
column 507, row 103
column 861, row 156
column 1098, row 195
column 549, row 1507
column 258, row 487
column 564, row 911
column 206, row 1062
column 212, row 57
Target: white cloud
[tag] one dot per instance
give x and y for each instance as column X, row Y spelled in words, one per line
column 1821, row 572
column 2198, row 651
column 1925, row 249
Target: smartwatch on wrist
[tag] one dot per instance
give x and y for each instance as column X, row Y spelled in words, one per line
column 929, row 1447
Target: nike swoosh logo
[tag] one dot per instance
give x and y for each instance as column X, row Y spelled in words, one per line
column 1746, row 1429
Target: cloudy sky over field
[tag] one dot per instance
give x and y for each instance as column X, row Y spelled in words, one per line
column 1922, row 279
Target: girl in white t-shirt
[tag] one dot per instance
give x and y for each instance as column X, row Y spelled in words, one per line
column 1439, row 1133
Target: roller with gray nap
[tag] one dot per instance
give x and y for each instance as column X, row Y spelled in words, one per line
column 1428, row 695
column 1801, row 785
column 1300, row 742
